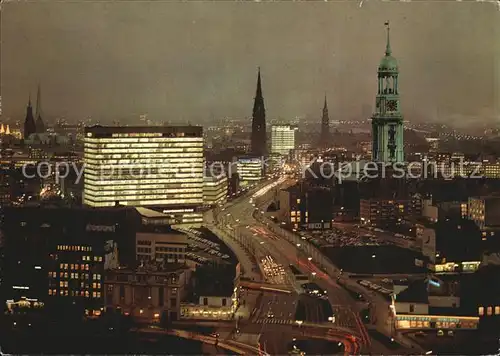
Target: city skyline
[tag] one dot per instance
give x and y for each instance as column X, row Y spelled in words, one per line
column 110, row 63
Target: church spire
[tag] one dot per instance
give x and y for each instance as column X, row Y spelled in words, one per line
column 38, row 102
column 40, row 126
column 388, row 50
column 325, row 127
column 258, row 93
column 259, row 135
column 29, row 122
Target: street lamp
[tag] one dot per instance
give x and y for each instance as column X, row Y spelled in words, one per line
column 309, row 259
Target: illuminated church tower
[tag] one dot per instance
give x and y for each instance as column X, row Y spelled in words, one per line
column 387, row 121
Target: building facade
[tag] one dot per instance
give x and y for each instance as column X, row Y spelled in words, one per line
column 157, row 167
column 384, row 212
column 58, row 256
column 149, row 293
column 283, row 139
column 485, row 212
column 387, row 121
column 306, row 208
column 161, row 244
column 215, row 190
column 250, row 169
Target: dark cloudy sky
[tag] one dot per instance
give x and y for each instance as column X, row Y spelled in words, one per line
column 194, row 60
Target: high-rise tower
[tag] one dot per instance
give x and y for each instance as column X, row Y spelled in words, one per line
column 259, row 136
column 40, row 126
column 387, row 121
column 325, row 127
column 29, row 122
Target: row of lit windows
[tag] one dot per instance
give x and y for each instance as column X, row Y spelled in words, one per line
column 172, row 182
column 126, row 195
column 137, row 201
column 489, row 310
column 111, row 190
column 73, row 275
column 107, row 152
column 75, row 266
column 168, row 145
column 173, row 177
column 95, row 285
column 131, row 140
column 163, row 165
column 74, row 248
column 74, row 293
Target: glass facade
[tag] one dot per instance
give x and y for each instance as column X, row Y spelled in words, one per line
column 250, row 169
column 215, row 190
column 282, row 139
column 143, row 166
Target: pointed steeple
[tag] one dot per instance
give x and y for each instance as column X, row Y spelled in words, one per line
column 38, row 102
column 258, row 93
column 325, row 126
column 259, row 135
column 388, row 50
column 40, row 126
column 29, row 122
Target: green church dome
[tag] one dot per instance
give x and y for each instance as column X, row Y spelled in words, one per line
column 388, row 63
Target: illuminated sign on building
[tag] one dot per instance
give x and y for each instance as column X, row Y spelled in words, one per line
column 101, row 228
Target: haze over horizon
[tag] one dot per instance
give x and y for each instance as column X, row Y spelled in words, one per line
column 197, row 60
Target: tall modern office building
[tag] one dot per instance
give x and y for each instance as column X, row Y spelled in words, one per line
column 387, row 121
column 282, row 139
column 259, row 136
column 324, row 139
column 157, row 167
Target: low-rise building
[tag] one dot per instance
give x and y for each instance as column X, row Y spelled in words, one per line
column 305, row 207
column 161, row 244
column 250, row 169
column 383, row 212
column 215, row 190
column 150, row 293
column 485, row 212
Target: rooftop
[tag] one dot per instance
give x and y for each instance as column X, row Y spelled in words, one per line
column 415, row 293
column 96, row 130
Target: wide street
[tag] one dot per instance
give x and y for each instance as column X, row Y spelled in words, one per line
column 238, row 217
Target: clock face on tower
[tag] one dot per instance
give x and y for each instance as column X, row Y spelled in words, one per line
column 392, row 105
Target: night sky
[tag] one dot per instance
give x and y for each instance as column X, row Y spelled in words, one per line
column 198, row 60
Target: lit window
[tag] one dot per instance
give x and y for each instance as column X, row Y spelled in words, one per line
column 298, row 201
column 50, row 291
column 292, row 219
column 489, row 310
column 497, row 310
column 292, row 213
